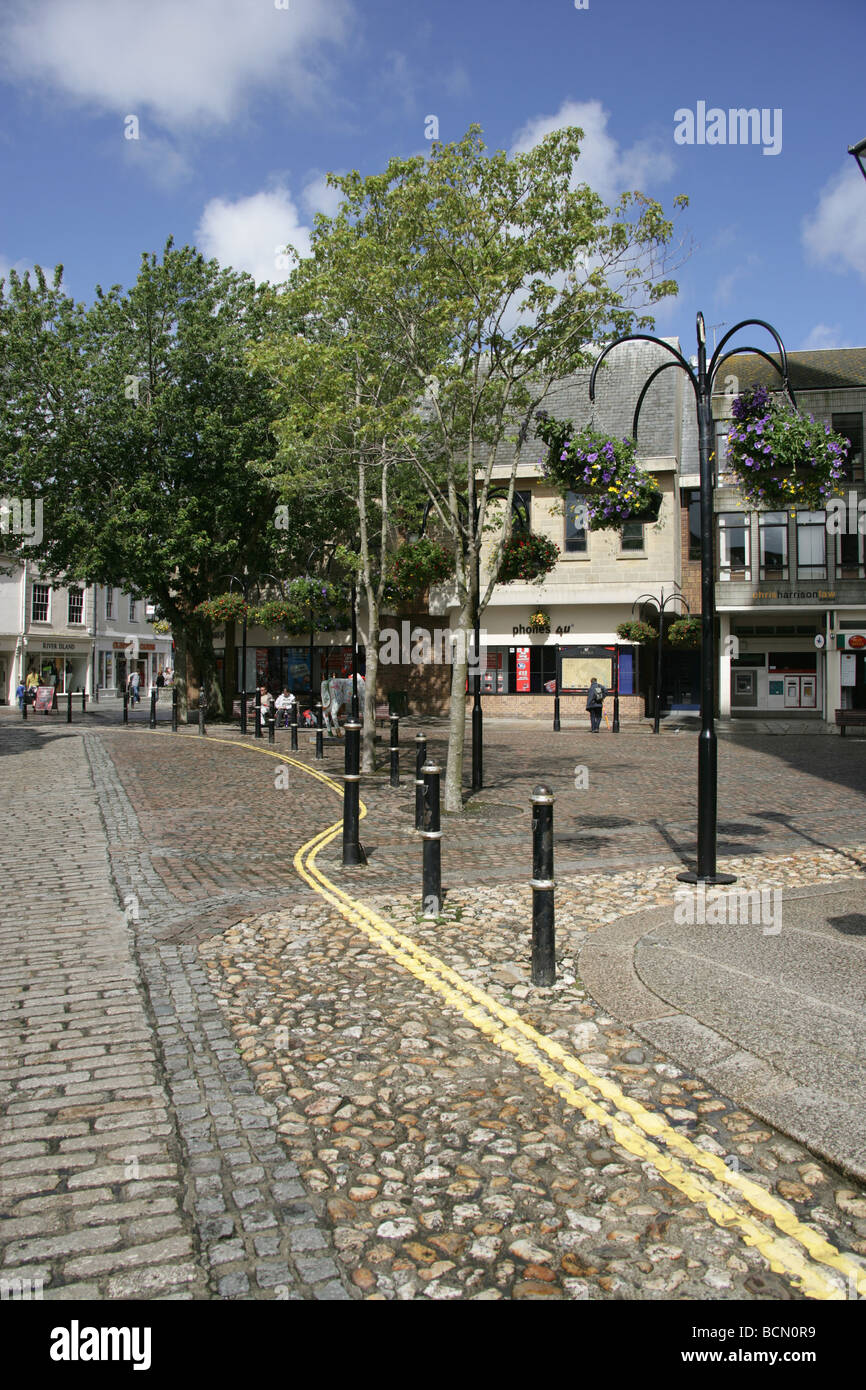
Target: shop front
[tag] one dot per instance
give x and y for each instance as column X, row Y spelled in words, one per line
column 63, row 665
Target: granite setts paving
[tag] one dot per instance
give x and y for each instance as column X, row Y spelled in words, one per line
column 317, row 1123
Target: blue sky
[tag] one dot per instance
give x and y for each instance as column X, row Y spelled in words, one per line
column 242, row 107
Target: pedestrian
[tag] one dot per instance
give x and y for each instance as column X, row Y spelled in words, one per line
column 134, row 683
column 21, row 693
column 595, row 704
column 160, row 680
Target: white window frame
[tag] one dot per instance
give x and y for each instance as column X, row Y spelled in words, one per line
column 47, row 618
column 70, row 621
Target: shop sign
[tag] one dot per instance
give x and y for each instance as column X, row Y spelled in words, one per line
column 857, row 641
column 44, row 697
column 122, row 645
column 57, row 646
column 147, row 646
column 793, row 595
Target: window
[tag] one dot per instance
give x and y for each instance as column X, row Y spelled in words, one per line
column 734, row 545
column 75, row 606
column 632, row 536
column 692, row 500
column 522, row 513
column 575, row 525
column 41, row 597
column 132, row 617
column 851, row 425
column 811, row 545
column 109, row 604
column 773, row 532
column 849, row 557
column 721, row 459
column 542, row 668
column 149, row 611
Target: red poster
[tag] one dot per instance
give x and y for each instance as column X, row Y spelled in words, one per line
column 522, row 684
column 44, row 697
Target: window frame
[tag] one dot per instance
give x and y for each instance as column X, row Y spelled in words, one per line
column 47, row 589
column 738, row 521
column 570, row 544
column 764, row 525
column 817, row 523
column 74, row 593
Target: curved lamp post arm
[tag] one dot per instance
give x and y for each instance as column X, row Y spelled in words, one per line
column 641, row 338
column 759, row 352
column 646, row 386
column 745, row 323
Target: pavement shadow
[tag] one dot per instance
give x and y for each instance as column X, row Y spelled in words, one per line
column 851, row 924
column 780, row 818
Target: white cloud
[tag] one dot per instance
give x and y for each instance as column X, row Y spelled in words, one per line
column 824, row 335
column 158, row 159
column 608, row 169
column 250, row 234
column 318, row 196
column 835, row 233
column 187, row 62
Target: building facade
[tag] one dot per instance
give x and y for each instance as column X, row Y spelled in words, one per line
column 74, row 637
column 791, row 586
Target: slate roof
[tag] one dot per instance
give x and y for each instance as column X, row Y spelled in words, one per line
column 825, row 369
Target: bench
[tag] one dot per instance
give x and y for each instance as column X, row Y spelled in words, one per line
column 850, row 719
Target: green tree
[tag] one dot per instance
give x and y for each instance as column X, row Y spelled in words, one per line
column 147, row 435
column 489, row 278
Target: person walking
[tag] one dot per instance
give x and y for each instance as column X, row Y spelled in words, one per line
column 134, row 682
column 595, row 704
column 21, row 693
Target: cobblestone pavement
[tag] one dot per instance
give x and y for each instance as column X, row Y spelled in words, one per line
column 339, row 1129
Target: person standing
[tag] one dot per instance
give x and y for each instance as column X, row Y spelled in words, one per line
column 134, row 682
column 595, row 704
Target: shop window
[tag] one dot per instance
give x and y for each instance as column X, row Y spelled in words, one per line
column 773, row 532
column 734, row 560
column 542, row 669
column 40, row 603
column 811, row 545
column 850, row 425
column 631, row 537
column 75, row 606
column 109, row 604
column 576, row 542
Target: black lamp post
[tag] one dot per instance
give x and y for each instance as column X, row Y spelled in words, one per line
column 660, row 604
column 859, row 153
column 702, row 383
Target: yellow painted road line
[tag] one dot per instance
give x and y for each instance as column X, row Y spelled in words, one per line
column 802, row 1254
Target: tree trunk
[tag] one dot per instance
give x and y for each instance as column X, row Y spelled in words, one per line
column 368, row 737
column 457, row 723
column 230, row 662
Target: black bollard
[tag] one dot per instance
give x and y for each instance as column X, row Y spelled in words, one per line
column 542, row 885
column 294, row 744
column 243, row 711
column 431, row 877
column 258, row 728
column 353, row 854
column 420, row 760
column 202, row 709
column 272, row 720
column 125, row 705
column 395, row 750
column 153, row 708
column 24, row 706
column 556, row 724
column 174, row 709
column 83, row 702
column 320, row 747
column 69, row 708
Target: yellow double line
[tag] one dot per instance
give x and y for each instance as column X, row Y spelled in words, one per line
column 790, row 1247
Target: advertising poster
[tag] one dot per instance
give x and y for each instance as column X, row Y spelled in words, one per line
column 523, row 669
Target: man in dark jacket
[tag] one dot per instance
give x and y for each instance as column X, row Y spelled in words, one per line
column 595, row 704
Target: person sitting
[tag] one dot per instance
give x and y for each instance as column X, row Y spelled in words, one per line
column 285, row 702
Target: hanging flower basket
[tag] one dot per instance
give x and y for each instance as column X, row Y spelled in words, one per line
column 416, row 565
column 685, row 632
column 539, row 622
column 603, row 472
column 225, row 608
column 528, row 557
column 309, row 602
column 635, row 631
column 779, row 457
